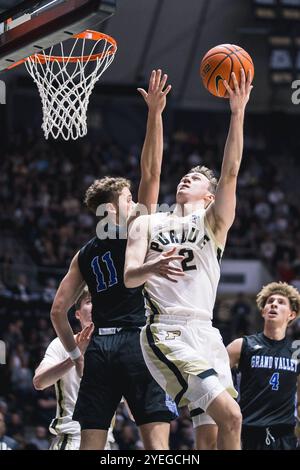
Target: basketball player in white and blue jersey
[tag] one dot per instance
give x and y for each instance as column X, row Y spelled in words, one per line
column 176, row 256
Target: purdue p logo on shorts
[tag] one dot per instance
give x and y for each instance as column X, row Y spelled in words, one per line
column 172, row 334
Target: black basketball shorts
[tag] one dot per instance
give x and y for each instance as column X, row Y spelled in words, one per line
column 271, row 438
column 114, row 368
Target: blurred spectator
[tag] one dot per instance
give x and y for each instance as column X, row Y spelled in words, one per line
column 275, row 196
column 267, row 250
column 15, row 426
column 284, row 269
column 40, row 440
column 296, row 281
column 240, row 314
column 174, row 437
column 21, row 290
column 49, row 291
column 13, row 336
column 45, row 406
column 262, row 210
column 128, row 437
column 3, row 406
column 186, row 436
column 6, row 442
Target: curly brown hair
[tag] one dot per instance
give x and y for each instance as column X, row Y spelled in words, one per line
column 280, row 288
column 105, row 190
column 209, row 175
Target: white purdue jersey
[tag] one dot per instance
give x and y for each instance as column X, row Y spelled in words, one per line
column 66, row 390
column 195, row 293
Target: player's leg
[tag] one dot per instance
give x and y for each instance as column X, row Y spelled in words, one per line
column 194, row 368
column 97, row 439
column 98, row 396
column 155, row 436
column 152, row 409
column 227, row 414
column 181, row 364
column 206, row 430
column 218, row 392
column 206, row 437
column 93, row 439
column 211, row 388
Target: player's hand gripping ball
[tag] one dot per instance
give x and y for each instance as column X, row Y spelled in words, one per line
column 219, row 63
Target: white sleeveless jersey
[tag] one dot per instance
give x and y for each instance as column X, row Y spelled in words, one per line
column 195, row 293
column 66, row 389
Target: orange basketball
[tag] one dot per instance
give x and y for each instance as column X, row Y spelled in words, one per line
column 218, row 64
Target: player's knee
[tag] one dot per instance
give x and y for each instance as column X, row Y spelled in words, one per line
column 236, row 420
column 232, row 421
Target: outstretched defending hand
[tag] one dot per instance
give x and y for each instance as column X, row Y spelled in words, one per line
column 83, row 338
column 156, row 96
column 239, row 97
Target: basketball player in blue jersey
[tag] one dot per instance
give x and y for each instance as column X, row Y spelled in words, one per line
column 176, row 256
column 113, row 363
column 269, row 366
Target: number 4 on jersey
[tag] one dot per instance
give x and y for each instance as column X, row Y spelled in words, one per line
column 274, row 381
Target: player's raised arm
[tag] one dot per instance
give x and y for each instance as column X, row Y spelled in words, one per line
column 152, row 152
column 221, row 213
column 137, row 272
column 234, row 351
column 53, row 367
column 68, row 291
column 134, row 272
column 45, row 376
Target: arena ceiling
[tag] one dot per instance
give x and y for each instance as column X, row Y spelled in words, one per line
column 174, row 35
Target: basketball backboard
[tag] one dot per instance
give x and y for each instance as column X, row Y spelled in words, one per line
column 33, row 25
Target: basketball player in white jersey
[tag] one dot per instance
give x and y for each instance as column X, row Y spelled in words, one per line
column 58, row 369
column 177, row 256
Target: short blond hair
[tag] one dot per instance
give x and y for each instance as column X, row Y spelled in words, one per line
column 209, row 175
column 84, row 294
column 280, row 288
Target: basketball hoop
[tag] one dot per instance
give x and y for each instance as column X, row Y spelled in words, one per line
column 66, row 80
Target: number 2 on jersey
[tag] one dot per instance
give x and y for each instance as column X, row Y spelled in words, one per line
column 274, row 381
column 108, row 261
column 189, row 256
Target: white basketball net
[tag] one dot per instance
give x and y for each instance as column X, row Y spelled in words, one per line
column 65, row 87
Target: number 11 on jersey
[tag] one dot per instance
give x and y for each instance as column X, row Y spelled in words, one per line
column 113, row 279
